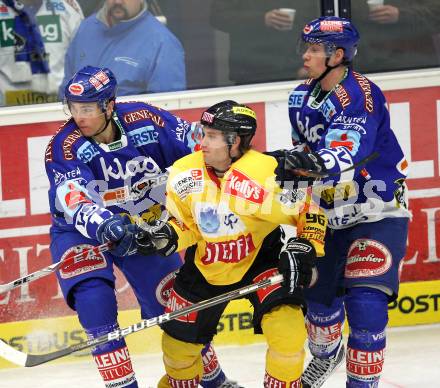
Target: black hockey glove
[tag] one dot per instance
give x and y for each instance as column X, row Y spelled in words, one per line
column 297, row 167
column 162, row 238
column 296, row 263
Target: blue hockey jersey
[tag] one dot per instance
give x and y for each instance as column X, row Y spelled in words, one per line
column 344, row 126
column 90, row 181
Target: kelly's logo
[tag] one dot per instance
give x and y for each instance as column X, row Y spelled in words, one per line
column 240, row 185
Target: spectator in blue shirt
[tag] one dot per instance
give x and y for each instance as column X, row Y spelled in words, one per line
column 125, row 37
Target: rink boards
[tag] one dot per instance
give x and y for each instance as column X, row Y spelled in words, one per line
column 418, row 303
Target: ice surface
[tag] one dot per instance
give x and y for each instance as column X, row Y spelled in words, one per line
column 412, row 361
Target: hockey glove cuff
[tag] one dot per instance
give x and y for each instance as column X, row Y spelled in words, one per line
column 296, row 263
column 162, row 238
column 297, row 167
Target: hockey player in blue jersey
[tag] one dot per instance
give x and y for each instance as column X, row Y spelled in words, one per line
column 338, row 118
column 106, row 165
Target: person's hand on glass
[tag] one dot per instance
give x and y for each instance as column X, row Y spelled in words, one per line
column 278, row 20
column 385, row 14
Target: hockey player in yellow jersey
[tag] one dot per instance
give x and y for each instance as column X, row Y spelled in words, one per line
column 227, row 210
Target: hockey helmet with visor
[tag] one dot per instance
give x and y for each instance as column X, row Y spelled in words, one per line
column 333, row 32
column 88, row 87
column 233, row 119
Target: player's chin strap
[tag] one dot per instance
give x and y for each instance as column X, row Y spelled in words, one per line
column 230, row 141
column 24, row 359
column 107, row 121
column 233, row 159
column 328, row 69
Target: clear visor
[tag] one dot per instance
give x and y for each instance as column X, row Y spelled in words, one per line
column 315, row 49
column 84, row 110
column 213, row 133
column 197, row 131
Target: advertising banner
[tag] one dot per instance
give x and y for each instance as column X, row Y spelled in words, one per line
column 24, row 218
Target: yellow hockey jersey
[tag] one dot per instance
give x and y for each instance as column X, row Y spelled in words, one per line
column 228, row 218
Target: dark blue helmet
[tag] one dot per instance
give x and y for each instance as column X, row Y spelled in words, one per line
column 334, row 32
column 92, row 84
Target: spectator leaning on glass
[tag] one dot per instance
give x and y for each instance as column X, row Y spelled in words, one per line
column 125, row 37
column 396, row 34
column 34, row 36
column 340, row 116
column 260, row 32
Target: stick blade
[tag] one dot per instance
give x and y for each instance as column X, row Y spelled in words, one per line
column 29, row 360
column 12, row 355
column 38, row 359
column 5, row 288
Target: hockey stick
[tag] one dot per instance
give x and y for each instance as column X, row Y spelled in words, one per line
column 53, row 267
column 28, row 360
column 81, row 255
column 324, row 175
